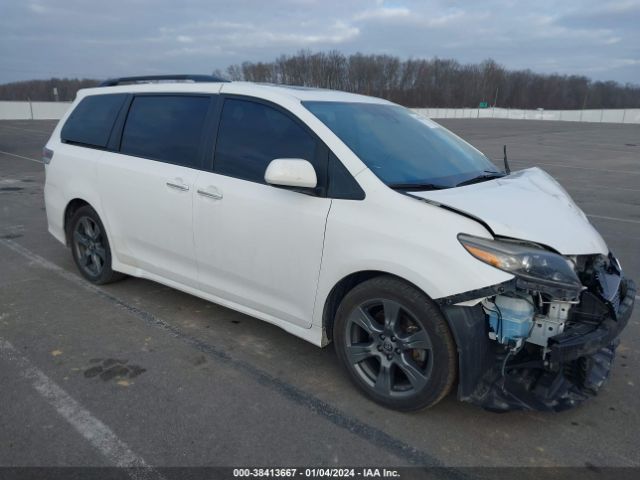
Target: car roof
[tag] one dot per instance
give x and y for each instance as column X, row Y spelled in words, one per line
column 302, row 93
column 258, row 90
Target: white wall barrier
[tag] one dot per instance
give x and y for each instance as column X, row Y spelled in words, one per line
column 629, row 115
column 33, row 110
column 55, row 110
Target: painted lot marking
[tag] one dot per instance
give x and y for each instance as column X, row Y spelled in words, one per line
column 590, row 188
column 93, row 430
column 20, row 156
column 31, row 130
column 631, row 172
column 604, row 217
column 364, row 431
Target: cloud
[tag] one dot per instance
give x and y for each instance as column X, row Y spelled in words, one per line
column 38, row 8
column 41, row 38
column 335, row 34
column 383, row 13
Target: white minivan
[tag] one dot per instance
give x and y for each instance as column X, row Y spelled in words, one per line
column 345, row 218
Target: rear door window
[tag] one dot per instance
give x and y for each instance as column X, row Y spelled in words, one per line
column 166, row 127
column 91, row 122
column 251, row 134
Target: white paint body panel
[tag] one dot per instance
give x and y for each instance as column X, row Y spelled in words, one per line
column 151, row 224
column 74, row 176
column 260, row 245
column 276, row 254
column 527, row 205
column 390, row 232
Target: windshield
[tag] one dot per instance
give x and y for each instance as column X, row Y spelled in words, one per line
column 402, row 148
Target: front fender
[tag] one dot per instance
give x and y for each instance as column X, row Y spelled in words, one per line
column 406, row 238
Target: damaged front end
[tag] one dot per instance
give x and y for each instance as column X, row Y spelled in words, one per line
column 542, row 341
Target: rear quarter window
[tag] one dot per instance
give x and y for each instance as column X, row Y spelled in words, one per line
column 92, row 120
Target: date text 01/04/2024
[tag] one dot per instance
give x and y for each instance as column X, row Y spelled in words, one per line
column 316, row 472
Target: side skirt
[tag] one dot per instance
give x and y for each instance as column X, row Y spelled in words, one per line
column 312, row 335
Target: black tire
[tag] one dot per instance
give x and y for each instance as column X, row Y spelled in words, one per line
column 406, row 364
column 90, row 247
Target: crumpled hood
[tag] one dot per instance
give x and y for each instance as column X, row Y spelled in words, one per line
column 527, row 205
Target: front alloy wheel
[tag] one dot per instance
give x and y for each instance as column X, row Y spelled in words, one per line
column 395, row 344
column 388, row 348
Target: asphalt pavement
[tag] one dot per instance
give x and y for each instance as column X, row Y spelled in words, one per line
column 199, row 384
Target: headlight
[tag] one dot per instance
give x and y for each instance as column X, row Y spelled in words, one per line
column 528, row 262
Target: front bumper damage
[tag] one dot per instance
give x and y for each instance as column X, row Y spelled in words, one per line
column 573, row 368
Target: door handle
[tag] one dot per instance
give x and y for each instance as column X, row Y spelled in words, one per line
column 208, row 194
column 178, row 186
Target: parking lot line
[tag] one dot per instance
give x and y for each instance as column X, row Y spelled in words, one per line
column 590, row 187
column 604, row 217
column 20, row 156
column 93, row 430
column 361, row 429
column 626, row 172
column 31, row 130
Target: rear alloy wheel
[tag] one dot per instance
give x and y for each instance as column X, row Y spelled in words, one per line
column 90, row 247
column 395, row 344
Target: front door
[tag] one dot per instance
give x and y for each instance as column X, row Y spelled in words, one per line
column 258, row 245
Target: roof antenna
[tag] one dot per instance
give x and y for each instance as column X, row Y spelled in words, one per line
column 506, row 162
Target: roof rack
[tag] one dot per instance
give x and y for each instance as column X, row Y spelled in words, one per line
column 112, row 82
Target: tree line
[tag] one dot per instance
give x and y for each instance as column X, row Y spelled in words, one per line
column 438, row 82
column 43, row 90
column 414, row 82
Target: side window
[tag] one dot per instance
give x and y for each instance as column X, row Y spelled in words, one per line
column 166, row 128
column 91, row 121
column 341, row 184
column 252, row 134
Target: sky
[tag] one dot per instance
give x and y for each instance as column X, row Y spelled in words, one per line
column 100, row 39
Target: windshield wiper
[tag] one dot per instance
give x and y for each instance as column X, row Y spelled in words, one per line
column 481, row 178
column 417, row 186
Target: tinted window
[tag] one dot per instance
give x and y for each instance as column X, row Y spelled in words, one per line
column 341, row 183
column 166, row 128
column 252, row 134
column 402, row 147
column 91, row 121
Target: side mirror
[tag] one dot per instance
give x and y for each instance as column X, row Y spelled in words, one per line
column 291, row 172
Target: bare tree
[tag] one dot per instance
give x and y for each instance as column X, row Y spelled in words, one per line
column 435, row 82
column 43, row 90
column 438, row 82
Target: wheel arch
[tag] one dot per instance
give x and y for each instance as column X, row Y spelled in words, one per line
column 72, row 207
column 344, row 286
